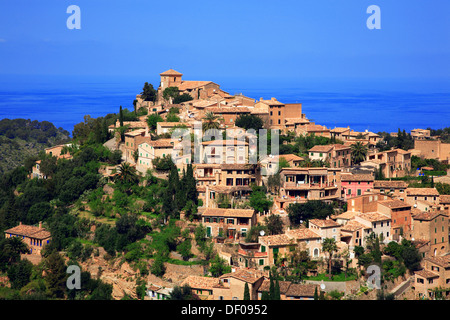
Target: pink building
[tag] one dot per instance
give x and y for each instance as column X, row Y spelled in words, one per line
column 353, row 185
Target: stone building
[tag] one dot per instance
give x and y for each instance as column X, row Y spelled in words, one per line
column 36, row 238
column 433, row 227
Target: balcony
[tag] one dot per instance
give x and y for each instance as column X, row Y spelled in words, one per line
column 301, row 185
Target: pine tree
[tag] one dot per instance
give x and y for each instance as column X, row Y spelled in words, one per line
column 316, row 294
column 55, row 275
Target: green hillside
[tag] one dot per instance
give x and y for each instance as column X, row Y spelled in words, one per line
column 22, row 138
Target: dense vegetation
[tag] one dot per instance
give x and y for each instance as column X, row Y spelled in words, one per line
column 21, row 138
column 402, row 141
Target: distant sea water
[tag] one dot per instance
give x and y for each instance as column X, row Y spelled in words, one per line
column 375, row 106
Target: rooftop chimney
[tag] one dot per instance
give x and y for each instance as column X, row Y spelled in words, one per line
column 40, row 224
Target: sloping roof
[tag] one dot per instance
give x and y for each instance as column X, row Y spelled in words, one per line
column 219, row 110
column 135, row 133
column 393, row 204
column 357, row 177
column 353, row 225
column 428, row 215
column 321, row 148
column 441, row 261
column 346, row 215
column 422, row 192
column 324, row 223
column 161, row 143
column 29, row 231
column 170, row 72
column 303, row 234
column 292, row 121
column 241, row 213
column 247, row 275
column 302, row 290
column 389, row 184
column 271, row 102
column 373, row 216
column 284, row 286
column 444, row 199
column 185, row 85
column 291, row 157
column 426, row 274
column 315, row 128
column 277, row 240
column 199, row 282
column 340, row 130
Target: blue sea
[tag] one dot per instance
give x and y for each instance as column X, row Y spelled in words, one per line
column 374, row 105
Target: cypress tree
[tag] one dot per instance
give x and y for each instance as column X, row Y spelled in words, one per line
column 246, row 292
column 122, row 133
column 271, row 288
column 277, row 295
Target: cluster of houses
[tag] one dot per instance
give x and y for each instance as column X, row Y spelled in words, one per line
column 389, row 209
column 231, row 286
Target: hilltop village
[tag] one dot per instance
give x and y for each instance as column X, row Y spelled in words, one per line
column 306, row 222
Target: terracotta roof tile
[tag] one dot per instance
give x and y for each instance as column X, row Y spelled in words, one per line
column 428, row 215
column 170, row 72
column 444, row 199
column 247, row 275
column 389, row 184
column 324, row 223
column 277, row 240
column 302, row 290
column 353, row 226
column 199, row 282
column 394, row 204
column 245, row 213
column 373, row 216
column 185, row 85
column 422, row 192
column 426, row 274
column 357, row 177
column 284, row 286
column 303, row 234
column 441, row 261
column 29, row 231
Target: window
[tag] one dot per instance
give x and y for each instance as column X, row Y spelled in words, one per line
column 316, row 252
column 261, row 262
column 263, row 248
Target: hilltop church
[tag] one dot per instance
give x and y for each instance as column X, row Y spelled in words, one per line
column 204, row 90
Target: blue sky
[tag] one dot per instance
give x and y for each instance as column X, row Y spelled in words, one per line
column 212, row 40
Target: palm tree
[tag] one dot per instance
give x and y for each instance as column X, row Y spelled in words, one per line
column 329, row 245
column 210, row 121
column 14, row 247
column 359, row 152
column 127, row 173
